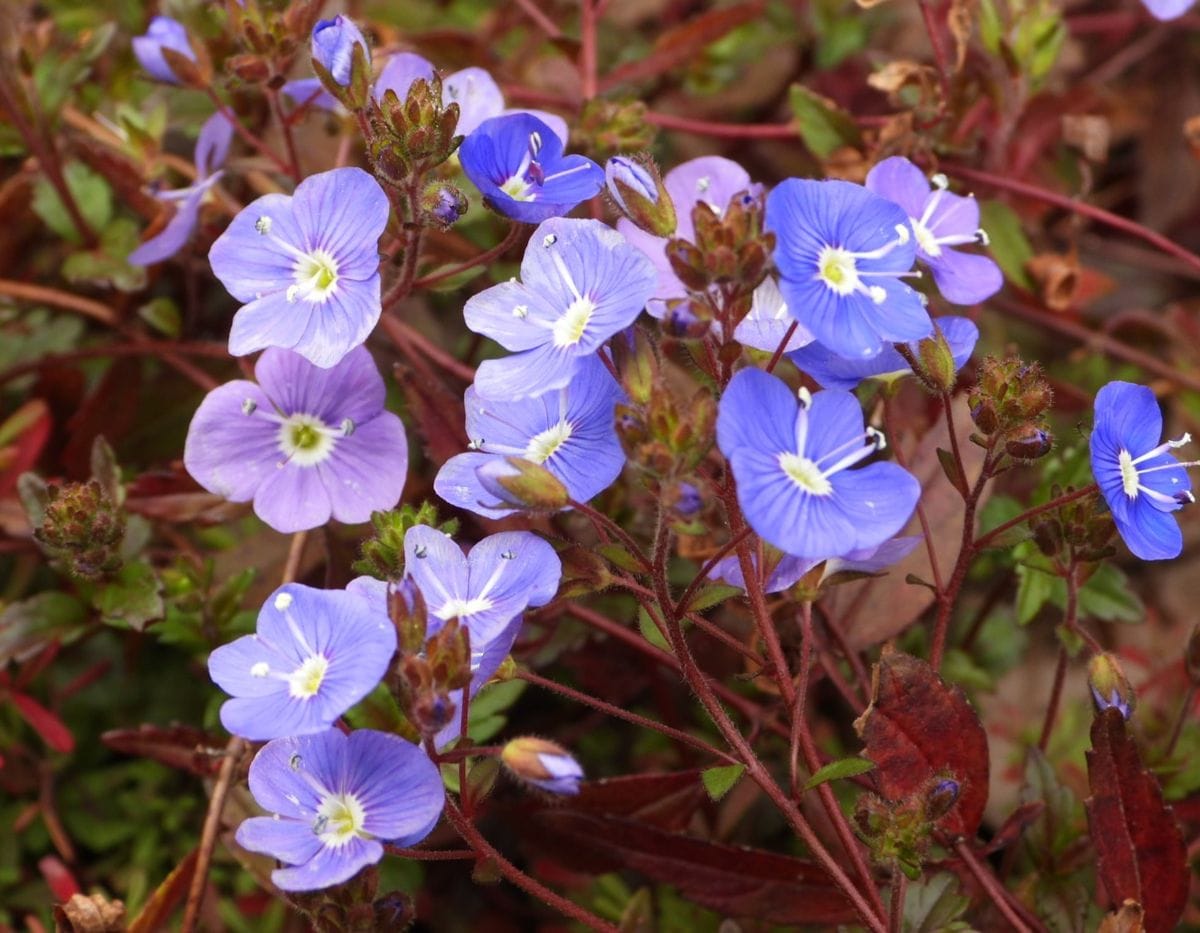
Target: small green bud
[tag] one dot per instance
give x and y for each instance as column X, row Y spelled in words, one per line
column 523, row 484
column 1110, row 687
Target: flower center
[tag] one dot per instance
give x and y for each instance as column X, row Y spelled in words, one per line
column 568, row 329
column 805, row 473
column 458, row 608
column 1129, row 474
column 518, row 188
column 837, row 270
column 544, row 445
column 339, row 819
column 928, row 243
column 305, row 681
column 306, row 440
column 315, row 275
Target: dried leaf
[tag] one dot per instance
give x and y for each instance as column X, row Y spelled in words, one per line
column 918, row 729
column 1057, row 276
column 94, row 914
column 162, row 902
column 961, row 20
column 1139, row 847
column 1129, row 919
column 181, row 747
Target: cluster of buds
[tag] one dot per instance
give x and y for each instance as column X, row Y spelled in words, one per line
column 607, row 127
column 356, row 907
column 413, row 136
column 1077, row 527
column 728, row 260
column 1008, row 406
column 430, row 668
column 82, row 529
column 382, row 555
column 270, row 39
column 665, row 438
column 899, row 833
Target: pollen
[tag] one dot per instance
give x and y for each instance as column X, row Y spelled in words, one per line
column 305, row 681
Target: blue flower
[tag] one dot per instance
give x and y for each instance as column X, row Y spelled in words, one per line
column 1167, row 9
column 163, row 33
column 1140, row 479
column 312, row 92
column 837, row 372
column 333, row 42
column 503, row 575
column 304, row 444
column 940, row 221
column 314, row 654
column 769, row 322
column 791, row 462
column 841, row 252
column 784, row 570
column 516, row 162
column 211, row 148
column 569, row 431
column 581, row 283
column 307, row 267
column 335, row 800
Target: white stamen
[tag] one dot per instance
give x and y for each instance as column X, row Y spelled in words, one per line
column 249, row 406
column 283, row 601
column 263, row 225
column 261, row 669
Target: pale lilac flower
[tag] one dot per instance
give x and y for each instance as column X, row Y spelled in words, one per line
column 312, row 92
column 569, row 431
column 544, row 764
column 581, row 282
column 485, row 590
column 211, row 148
column 306, row 266
column 333, row 42
column 1167, row 9
column 163, row 33
column 768, row 322
column 335, row 799
column 314, row 654
column 305, row 444
column 940, row 221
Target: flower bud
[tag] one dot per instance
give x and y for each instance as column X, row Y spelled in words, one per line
column 937, row 368
column 1110, row 687
column 394, row 911
column 82, row 529
column 333, row 42
column 1029, row 443
column 523, row 484
column 543, row 764
column 640, row 195
column 442, row 204
column 637, row 364
column 163, row 33
column 686, row 500
column 940, row 798
column 406, row 608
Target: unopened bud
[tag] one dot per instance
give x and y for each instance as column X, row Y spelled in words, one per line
column 983, row 413
column 937, row 363
column 1110, row 687
column 637, row 364
column 523, row 484
column 1048, row 535
column 1029, row 443
column 940, row 798
column 640, row 195
column 543, row 764
column 406, row 608
column 333, row 42
column 394, row 911
column 686, row 500
column 442, row 204
column 253, row 69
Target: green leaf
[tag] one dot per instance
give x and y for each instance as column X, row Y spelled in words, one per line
column 835, row 770
column 821, row 124
column 134, row 598
column 1034, row 587
column 1008, row 244
column 952, row 471
column 617, row 555
column 712, row 594
column 1107, row 595
column 650, row 631
column 91, row 194
column 719, row 781
column 162, row 314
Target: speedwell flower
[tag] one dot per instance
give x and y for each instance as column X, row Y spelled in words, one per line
column 307, row 266
column 163, row 33
column 314, row 654
column 838, row 372
column 769, row 322
column 304, row 444
column 1140, row 479
column 335, row 800
column 791, row 459
column 841, row 252
column 580, row 284
column 570, row 432
column 333, row 42
column 940, row 221
column 516, row 162
column 212, row 146
column 499, row 579
column 787, row 570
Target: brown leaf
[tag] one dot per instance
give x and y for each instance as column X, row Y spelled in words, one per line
column 181, row 747
column 682, row 43
column 1058, row 278
column 92, row 914
column 1129, row 919
column 918, row 729
column 1140, row 850
column 732, row 880
column 162, row 902
column 961, row 20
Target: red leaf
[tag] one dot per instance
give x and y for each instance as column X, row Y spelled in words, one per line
column 917, row 729
column 45, row 723
column 179, row 747
column 31, row 424
column 681, row 44
column 663, row 800
column 732, row 880
column 1140, row 849
column 59, row 880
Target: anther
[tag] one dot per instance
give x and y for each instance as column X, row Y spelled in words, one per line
column 549, row 240
column 249, row 406
column 940, row 181
column 420, row 551
column 521, row 311
column 804, row 396
column 475, row 444
column 283, row 601
column 982, row 237
column 295, row 762
column 263, row 225
column 347, row 427
column 535, row 143
column 878, row 294
column 509, row 555
column 903, row 233
column 1185, row 498
column 876, row 437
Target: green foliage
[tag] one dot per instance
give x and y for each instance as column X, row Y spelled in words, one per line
column 383, row 553
column 719, row 781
